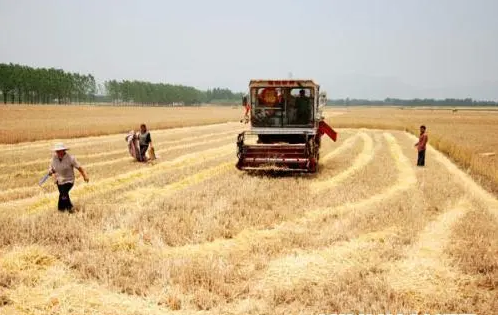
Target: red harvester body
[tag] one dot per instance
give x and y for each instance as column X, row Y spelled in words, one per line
column 286, row 126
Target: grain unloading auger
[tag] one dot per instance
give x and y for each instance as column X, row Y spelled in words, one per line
column 286, row 126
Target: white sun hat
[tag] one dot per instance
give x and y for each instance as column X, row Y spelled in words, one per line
column 59, row 147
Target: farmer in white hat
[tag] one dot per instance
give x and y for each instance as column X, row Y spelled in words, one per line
column 61, row 167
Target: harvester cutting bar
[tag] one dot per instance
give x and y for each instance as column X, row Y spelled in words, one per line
column 275, row 160
column 287, row 156
column 275, row 149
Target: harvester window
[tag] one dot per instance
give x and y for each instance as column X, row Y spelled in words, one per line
column 282, row 106
column 295, row 92
column 301, row 110
column 268, row 108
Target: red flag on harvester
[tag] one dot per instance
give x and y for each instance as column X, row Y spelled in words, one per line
column 324, row 128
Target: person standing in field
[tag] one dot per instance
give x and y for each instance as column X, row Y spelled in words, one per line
column 145, row 141
column 247, row 107
column 421, row 146
column 62, row 169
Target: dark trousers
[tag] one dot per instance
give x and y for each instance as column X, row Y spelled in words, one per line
column 421, row 158
column 143, row 150
column 64, row 201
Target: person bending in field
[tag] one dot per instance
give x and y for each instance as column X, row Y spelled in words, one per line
column 421, row 146
column 145, row 141
column 61, row 168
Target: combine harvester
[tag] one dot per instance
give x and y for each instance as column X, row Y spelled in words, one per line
column 286, row 126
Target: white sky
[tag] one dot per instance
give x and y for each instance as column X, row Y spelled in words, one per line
column 355, row 48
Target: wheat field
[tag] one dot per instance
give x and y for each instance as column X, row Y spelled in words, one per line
column 190, row 234
column 21, row 123
column 467, row 135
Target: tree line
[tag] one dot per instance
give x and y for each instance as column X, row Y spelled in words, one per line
column 24, row 84
column 146, row 93
column 139, row 92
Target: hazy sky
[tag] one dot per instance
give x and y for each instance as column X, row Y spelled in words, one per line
column 355, row 48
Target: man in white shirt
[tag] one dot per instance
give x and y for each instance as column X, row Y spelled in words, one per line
column 61, row 167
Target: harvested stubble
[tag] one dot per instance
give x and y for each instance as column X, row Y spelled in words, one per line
column 212, row 238
column 467, row 136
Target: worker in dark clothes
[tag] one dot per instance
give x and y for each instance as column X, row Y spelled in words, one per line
column 303, row 108
column 145, row 141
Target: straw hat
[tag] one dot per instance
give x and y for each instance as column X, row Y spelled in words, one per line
column 59, row 147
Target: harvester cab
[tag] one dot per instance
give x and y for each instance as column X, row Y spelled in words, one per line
column 286, row 126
